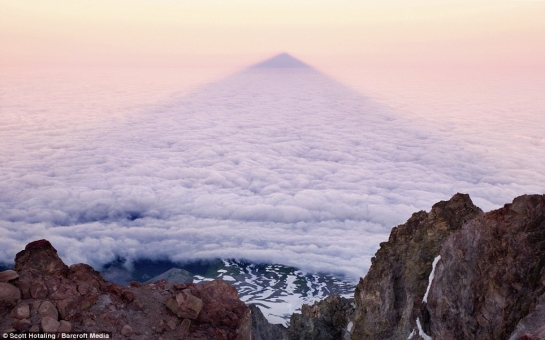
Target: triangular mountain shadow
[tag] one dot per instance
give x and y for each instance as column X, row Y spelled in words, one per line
column 306, row 107
column 282, row 60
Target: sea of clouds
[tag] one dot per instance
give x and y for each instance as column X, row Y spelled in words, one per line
column 269, row 165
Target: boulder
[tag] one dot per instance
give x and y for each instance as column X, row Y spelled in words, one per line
column 48, row 309
column 64, row 327
column 183, row 329
column 40, row 255
column 32, row 284
column 9, row 294
column 22, row 325
column 185, row 305
column 8, row 275
column 49, row 324
column 126, row 330
column 21, row 311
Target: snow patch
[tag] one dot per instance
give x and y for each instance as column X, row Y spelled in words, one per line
column 430, row 279
column 421, row 332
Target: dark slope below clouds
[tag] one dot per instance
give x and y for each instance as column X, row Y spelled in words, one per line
column 274, row 164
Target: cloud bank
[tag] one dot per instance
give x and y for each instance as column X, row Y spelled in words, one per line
column 275, row 165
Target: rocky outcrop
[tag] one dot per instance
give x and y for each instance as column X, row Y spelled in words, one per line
column 41, row 256
column 263, row 330
column 324, row 320
column 491, row 276
column 452, row 273
column 45, row 295
column 389, row 298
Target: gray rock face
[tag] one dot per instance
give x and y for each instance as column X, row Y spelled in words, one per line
column 389, row 298
column 325, row 320
column 491, row 273
column 533, row 325
column 263, row 330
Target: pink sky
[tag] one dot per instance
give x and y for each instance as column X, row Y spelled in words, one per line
column 210, row 33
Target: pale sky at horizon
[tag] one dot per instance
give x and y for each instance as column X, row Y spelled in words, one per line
column 168, row 33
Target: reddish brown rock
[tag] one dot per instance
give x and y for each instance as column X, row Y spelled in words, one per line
column 49, row 324
column 9, row 294
column 128, row 295
column 84, row 301
column 126, row 330
column 52, row 283
column 64, row 327
column 48, row 309
column 8, row 275
column 84, row 273
column 188, row 306
column 88, row 302
column 172, row 324
column 22, row 325
column 183, row 330
column 21, row 311
column 40, row 255
column 32, row 284
column 67, row 308
column 68, row 289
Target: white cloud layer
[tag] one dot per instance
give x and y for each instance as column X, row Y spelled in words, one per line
column 282, row 166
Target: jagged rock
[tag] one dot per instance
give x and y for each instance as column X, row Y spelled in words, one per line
column 185, row 305
column 324, row 320
column 491, row 273
column 21, row 311
column 263, row 330
column 189, row 306
column 40, row 255
column 49, row 324
column 86, row 302
column 84, row 273
column 9, row 294
column 223, row 315
column 8, row 275
column 48, row 309
column 390, row 295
